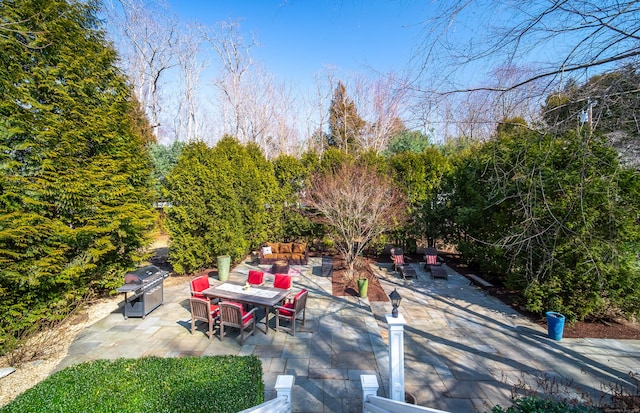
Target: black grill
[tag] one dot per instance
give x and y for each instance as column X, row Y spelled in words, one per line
column 143, row 291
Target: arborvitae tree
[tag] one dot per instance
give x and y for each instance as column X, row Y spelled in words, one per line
column 163, row 158
column 345, row 125
column 420, row 175
column 556, row 216
column 225, row 202
column 260, row 199
column 292, row 175
column 204, row 220
column 74, row 175
column 408, row 141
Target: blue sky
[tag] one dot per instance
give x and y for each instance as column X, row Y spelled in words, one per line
column 298, row 38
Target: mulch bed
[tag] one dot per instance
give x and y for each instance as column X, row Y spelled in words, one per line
column 341, row 287
column 581, row 329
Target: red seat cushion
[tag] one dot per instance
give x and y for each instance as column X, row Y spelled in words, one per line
column 255, row 277
column 299, row 294
column 215, row 309
column 245, row 317
column 432, row 259
column 287, row 312
column 398, row 259
column 282, row 281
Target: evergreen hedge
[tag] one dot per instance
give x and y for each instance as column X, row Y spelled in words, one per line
column 75, row 188
column 153, row 384
column 225, row 200
column 555, row 217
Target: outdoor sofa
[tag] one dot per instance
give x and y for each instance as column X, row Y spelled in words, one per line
column 295, row 253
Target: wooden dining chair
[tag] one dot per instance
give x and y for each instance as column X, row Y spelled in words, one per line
column 198, row 285
column 291, row 311
column 232, row 314
column 203, row 310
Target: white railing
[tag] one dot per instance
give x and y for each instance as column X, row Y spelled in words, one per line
column 371, row 403
column 282, row 402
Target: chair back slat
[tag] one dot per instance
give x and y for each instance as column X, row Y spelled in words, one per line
column 200, row 309
column 231, row 314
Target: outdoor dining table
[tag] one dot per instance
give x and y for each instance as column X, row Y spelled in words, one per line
column 259, row 296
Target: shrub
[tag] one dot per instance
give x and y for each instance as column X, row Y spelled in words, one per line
column 189, row 384
column 536, row 404
column 554, row 216
column 225, row 201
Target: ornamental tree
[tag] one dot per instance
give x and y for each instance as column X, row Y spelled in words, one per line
column 359, row 203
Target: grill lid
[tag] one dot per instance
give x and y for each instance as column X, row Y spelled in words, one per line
column 138, row 276
column 143, row 278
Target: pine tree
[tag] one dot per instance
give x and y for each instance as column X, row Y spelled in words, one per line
column 345, row 125
column 74, row 173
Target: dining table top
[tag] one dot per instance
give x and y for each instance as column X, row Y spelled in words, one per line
column 257, row 295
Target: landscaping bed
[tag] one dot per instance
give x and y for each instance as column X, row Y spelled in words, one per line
column 613, row 329
column 342, row 287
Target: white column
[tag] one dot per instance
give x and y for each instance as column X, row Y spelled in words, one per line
column 396, row 356
column 284, row 387
column 369, row 383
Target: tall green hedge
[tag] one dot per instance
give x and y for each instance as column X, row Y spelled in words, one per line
column 74, row 174
column 557, row 216
column 293, row 175
column 225, row 200
column 421, row 175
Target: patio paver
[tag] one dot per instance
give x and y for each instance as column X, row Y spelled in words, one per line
column 463, row 349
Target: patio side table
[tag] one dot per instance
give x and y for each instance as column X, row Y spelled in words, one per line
column 280, row 267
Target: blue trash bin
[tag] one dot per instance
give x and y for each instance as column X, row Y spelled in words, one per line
column 555, row 325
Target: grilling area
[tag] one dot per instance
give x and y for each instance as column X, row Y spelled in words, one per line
column 143, row 291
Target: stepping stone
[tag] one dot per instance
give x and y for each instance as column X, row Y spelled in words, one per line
column 327, row 266
column 6, row 371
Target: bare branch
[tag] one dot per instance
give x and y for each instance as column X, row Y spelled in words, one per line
column 358, row 203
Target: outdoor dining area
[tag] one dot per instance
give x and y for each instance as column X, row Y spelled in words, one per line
column 232, row 304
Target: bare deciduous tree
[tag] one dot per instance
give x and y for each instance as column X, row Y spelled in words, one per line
column 561, row 37
column 146, row 38
column 234, row 53
column 359, row 204
column 317, row 110
column 255, row 108
column 190, row 63
column 382, row 104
